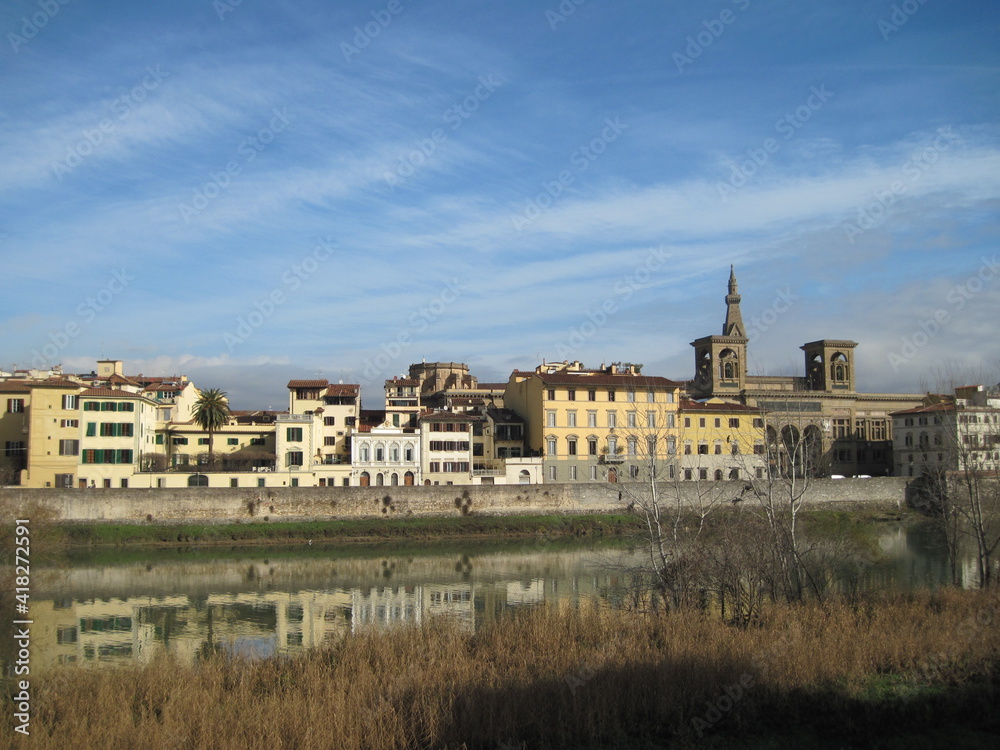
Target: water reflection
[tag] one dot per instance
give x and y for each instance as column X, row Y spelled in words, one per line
column 266, row 602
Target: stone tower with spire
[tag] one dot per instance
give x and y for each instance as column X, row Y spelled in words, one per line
column 721, row 361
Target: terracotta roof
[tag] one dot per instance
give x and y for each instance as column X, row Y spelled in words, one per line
column 117, row 379
column 587, row 379
column 308, row 383
column 447, row 416
column 722, row 408
column 164, row 387
column 926, row 409
column 110, row 392
column 403, row 381
column 343, row 389
column 55, row 383
column 9, row 386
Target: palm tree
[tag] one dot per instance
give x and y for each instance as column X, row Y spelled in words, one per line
column 211, row 411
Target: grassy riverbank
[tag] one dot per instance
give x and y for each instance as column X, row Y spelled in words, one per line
column 413, row 529
column 916, row 671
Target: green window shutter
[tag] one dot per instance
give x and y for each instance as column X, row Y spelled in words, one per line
column 91, row 429
column 159, row 439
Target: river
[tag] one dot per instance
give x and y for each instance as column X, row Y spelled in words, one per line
column 120, row 606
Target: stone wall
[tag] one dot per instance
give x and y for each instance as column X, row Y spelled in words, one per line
column 225, row 505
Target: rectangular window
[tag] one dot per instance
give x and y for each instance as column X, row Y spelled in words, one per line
column 592, row 395
column 571, row 394
column 611, row 395
column 612, row 419
column 631, row 419
column 718, row 449
column 630, row 396
column 703, row 449
column 329, row 421
column 180, row 441
column 294, row 458
column 92, row 430
column 91, row 406
column 69, row 447
column 670, row 397
column 295, row 481
column 701, row 421
column 702, row 473
column 734, row 422
column 234, row 482
column 202, row 441
column 758, row 423
column 571, row 419
column 687, row 474
column 687, row 421
column 718, row 422
column 69, row 402
column 329, row 441
column 257, row 441
column 593, row 472
column 15, row 405
column 552, row 394
column 69, row 423
column 260, row 481
column 572, row 472
column 293, row 434
column 571, row 446
column 651, row 397
column 591, row 419
column 552, row 473
column 672, row 421
column 232, row 441
column 651, row 419
column 592, row 446
column 550, row 446
column 550, row 419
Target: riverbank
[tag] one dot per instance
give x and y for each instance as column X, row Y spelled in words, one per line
column 893, row 671
column 416, row 529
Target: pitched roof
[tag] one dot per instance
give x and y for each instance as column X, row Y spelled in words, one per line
column 940, row 407
column 585, row 379
column 343, row 389
column 10, row 386
column 308, row 383
column 717, row 408
column 116, row 393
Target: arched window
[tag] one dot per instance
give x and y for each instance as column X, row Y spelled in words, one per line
column 365, row 453
column 197, row 480
column 718, row 475
column 838, row 368
column 365, row 479
column 394, row 479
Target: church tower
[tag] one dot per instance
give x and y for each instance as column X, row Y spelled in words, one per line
column 721, row 361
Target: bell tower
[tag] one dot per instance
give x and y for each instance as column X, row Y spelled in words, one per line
column 720, row 362
column 830, row 365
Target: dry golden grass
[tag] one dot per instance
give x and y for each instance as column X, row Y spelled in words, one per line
column 549, row 679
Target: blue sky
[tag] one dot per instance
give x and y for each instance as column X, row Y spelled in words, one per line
column 254, row 192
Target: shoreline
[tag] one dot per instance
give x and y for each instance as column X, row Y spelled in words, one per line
column 422, row 529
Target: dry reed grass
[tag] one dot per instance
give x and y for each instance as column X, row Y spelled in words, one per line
column 551, row 678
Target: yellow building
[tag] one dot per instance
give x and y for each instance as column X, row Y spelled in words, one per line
column 117, row 428
column 40, row 430
column 720, row 440
column 596, row 425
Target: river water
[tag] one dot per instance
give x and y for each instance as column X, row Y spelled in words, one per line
column 120, row 606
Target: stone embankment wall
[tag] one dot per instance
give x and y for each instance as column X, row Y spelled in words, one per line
column 217, row 505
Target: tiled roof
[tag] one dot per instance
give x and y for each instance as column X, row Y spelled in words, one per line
column 342, row 389
column 308, row 383
column 403, row 381
column 117, row 379
column 587, row 379
column 722, row 408
column 444, row 416
column 926, row 409
column 55, row 383
column 116, row 393
column 10, row 386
